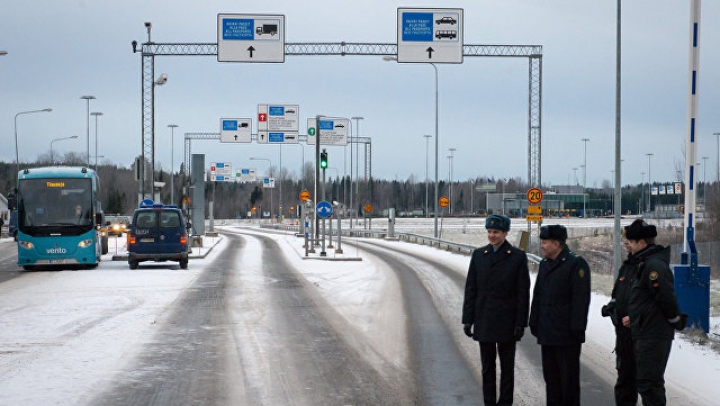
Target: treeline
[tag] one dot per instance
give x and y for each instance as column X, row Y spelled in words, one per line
column 119, row 192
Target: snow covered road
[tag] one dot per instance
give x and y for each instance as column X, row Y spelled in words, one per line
column 255, row 324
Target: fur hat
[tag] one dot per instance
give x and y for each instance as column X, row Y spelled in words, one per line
column 640, row 230
column 553, row 232
column 497, row 222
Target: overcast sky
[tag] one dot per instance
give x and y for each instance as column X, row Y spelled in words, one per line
column 59, row 51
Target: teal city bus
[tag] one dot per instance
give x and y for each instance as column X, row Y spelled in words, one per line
column 59, row 217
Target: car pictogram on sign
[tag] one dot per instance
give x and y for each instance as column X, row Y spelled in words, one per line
column 446, row 20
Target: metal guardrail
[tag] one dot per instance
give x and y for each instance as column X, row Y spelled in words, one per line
column 445, row 245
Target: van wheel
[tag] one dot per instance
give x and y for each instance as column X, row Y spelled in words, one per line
column 133, row 264
column 184, row 264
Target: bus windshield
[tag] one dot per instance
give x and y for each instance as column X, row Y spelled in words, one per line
column 55, row 206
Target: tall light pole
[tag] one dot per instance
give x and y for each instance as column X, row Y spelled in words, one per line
column 575, row 175
column 17, row 155
column 649, row 155
column 280, row 201
column 427, row 144
column 172, row 162
column 617, row 181
column 452, row 150
column 96, row 114
column 357, row 170
column 87, row 98
column 585, row 141
column 704, row 178
column 642, row 193
column 52, row 156
column 271, row 189
column 437, row 187
column 161, row 80
column 717, row 149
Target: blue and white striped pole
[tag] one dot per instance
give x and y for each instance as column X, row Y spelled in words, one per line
column 691, row 144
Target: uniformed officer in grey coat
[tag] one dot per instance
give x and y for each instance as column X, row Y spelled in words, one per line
column 558, row 315
column 495, row 310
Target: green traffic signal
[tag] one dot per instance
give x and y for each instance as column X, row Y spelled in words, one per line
column 323, row 160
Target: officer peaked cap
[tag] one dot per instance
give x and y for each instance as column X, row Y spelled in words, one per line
column 553, row 232
column 640, row 230
column 497, row 222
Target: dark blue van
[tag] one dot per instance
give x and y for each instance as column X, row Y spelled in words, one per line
column 157, row 233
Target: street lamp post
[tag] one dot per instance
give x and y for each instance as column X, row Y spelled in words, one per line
column 87, row 98
column 280, row 201
column 612, row 189
column 161, row 80
column 172, row 162
column 717, row 150
column 642, row 193
column 704, row 178
column 52, row 156
column 649, row 183
column 271, row 189
column 452, row 150
column 17, row 155
column 427, row 144
column 585, row 141
column 96, row 114
column 437, row 187
column 357, row 168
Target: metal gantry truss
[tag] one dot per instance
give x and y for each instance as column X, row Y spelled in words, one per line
column 150, row 50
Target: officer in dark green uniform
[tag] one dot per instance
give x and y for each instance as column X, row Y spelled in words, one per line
column 653, row 311
column 558, row 315
column 626, row 393
column 495, row 310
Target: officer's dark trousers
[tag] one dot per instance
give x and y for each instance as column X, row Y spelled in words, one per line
column 626, row 392
column 652, row 357
column 488, row 354
column 561, row 370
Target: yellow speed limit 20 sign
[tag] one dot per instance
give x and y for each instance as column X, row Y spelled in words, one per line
column 534, row 195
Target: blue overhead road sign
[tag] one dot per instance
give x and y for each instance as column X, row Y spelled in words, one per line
column 417, row 26
column 276, row 137
column 239, row 29
column 430, row 35
column 324, row 209
column 250, row 38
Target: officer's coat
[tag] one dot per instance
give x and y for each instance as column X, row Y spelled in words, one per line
column 497, row 293
column 561, row 299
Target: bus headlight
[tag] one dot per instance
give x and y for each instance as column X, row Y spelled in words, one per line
column 26, row 244
column 85, row 243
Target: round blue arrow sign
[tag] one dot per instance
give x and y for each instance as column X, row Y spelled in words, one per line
column 324, row 209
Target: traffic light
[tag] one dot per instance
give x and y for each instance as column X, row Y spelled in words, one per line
column 323, row 160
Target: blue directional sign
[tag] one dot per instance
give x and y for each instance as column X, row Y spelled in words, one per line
column 417, row 26
column 250, row 38
column 324, row 209
column 430, row 35
column 276, row 137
